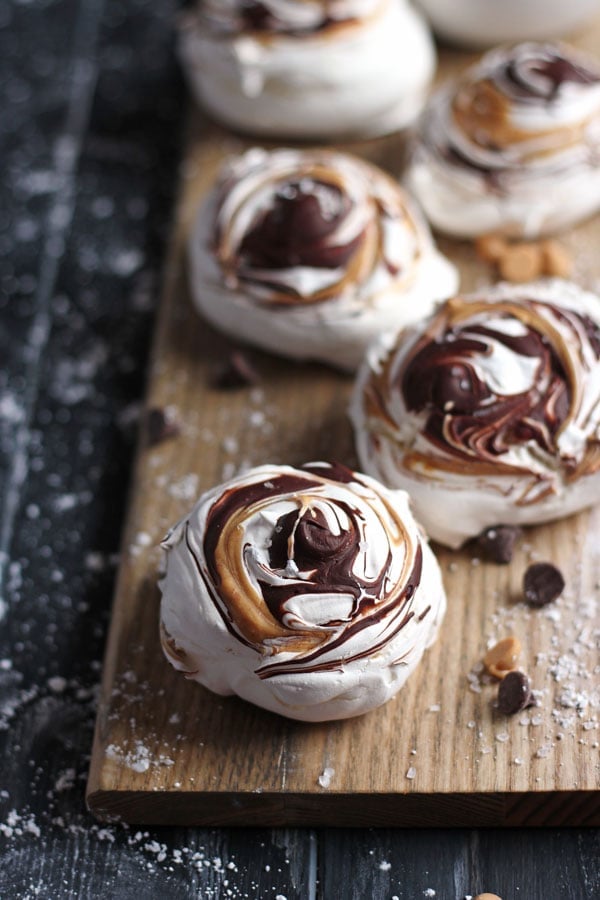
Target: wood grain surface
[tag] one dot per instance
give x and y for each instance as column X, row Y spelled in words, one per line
column 167, row 751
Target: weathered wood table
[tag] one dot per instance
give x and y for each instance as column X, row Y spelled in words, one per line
column 90, row 136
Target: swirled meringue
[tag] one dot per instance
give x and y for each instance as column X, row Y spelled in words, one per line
column 311, row 254
column 486, row 22
column 310, row 592
column 488, row 413
column 514, row 146
column 310, row 69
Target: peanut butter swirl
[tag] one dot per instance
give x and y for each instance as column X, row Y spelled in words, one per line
column 311, row 592
column 311, row 567
column 528, row 110
column 493, row 388
column 299, row 228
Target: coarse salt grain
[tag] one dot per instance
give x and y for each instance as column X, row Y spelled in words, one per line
column 325, row 777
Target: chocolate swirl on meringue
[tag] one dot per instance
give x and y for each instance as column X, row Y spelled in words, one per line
column 330, row 560
column 543, row 74
column 301, row 228
column 282, row 17
column 465, row 414
column 533, row 105
column 489, row 380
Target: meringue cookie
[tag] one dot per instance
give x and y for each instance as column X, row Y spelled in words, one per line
column 514, row 146
column 310, row 592
column 310, row 69
column 481, row 23
column 311, row 254
column 488, row 413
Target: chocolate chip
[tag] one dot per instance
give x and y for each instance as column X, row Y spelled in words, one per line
column 161, row 425
column 236, row 373
column 514, row 693
column 498, row 543
column 542, row 584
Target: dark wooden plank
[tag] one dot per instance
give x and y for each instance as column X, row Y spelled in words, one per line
column 145, row 704
column 407, row 864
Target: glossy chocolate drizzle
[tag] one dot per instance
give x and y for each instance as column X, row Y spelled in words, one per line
column 482, row 133
column 465, row 415
column 260, row 18
column 297, row 227
column 322, row 564
column 304, row 537
column 550, row 72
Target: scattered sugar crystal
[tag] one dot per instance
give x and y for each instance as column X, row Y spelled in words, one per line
column 325, row 777
column 185, row 488
column 411, row 773
column 230, row 445
column 103, row 834
column 139, row 759
column 573, row 699
column 65, row 781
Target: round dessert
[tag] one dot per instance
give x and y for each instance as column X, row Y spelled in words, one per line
column 310, row 592
column 488, row 413
column 308, row 69
column 311, row 254
column 514, row 146
column 486, row 22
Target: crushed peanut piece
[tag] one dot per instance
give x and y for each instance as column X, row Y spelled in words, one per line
column 490, row 247
column 487, row 896
column 502, row 657
column 521, row 263
column 556, row 260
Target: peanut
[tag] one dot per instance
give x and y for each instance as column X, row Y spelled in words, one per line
column 490, row 247
column 521, row 263
column 556, row 260
column 502, row 657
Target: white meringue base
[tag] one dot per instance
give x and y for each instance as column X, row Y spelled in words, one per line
column 364, row 80
column 453, row 514
column 226, row 666
column 482, row 23
column 460, row 203
column 336, row 331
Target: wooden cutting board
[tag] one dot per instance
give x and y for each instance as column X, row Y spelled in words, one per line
column 167, row 751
